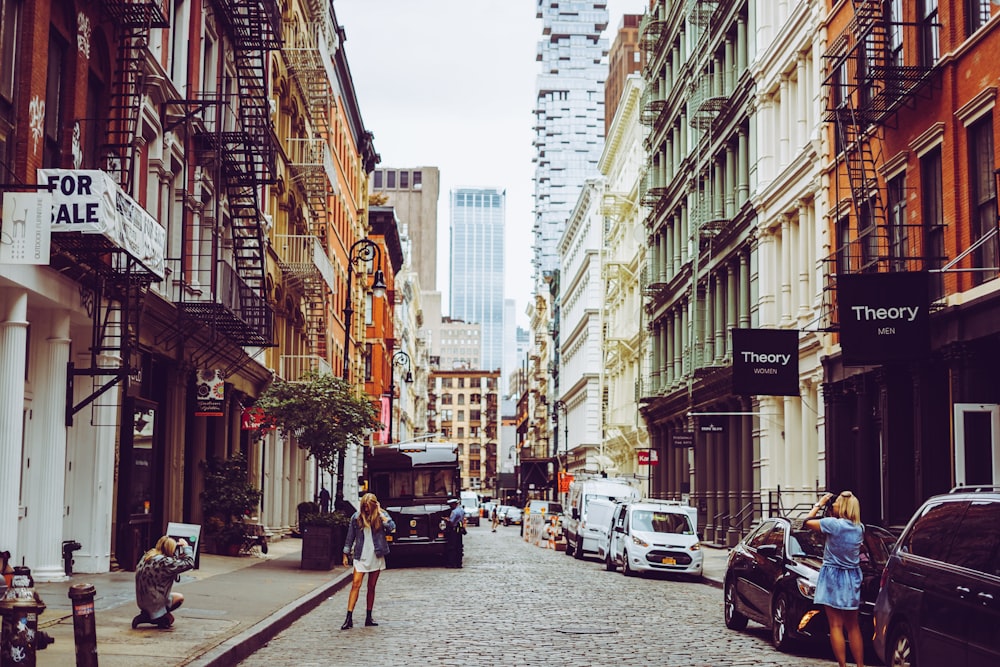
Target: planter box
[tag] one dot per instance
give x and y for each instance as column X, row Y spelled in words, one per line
column 322, row 546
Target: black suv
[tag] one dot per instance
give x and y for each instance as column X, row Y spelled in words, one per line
column 939, row 602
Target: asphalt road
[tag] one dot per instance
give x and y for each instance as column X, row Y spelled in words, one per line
column 514, row 604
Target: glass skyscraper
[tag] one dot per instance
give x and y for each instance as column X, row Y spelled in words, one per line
column 569, row 131
column 477, row 247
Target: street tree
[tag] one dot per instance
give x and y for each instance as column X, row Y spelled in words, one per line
column 324, row 413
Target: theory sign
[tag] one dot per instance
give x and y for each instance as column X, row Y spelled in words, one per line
column 883, row 317
column 766, row 362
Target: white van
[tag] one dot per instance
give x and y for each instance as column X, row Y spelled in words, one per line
column 578, row 526
column 470, row 503
column 654, row 536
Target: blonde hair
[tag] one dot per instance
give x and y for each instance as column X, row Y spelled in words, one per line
column 846, row 506
column 368, row 514
column 165, row 546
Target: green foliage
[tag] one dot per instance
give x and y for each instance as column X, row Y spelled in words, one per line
column 322, row 411
column 326, row 519
column 228, row 495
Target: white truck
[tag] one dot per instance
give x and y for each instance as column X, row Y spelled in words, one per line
column 581, row 530
column 470, row 503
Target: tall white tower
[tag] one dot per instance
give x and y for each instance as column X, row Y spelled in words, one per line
column 477, row 247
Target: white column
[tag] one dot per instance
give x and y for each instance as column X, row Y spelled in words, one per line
column 786, row 270
column 783, row 123
column 13, row 348
column 802, row 111
column 49, row 478
column 805, row 261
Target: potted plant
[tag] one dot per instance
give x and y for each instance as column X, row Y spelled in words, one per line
column 305, row 509
column 323, row 536
column 227, row 497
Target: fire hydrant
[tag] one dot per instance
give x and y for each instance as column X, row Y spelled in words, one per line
column 20, row 608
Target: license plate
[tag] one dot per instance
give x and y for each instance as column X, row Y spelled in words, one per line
column 669, row 561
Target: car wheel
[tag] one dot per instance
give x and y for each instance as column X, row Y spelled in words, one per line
column 609, row 564
column 779, row 623
column 578, row 549
column 902, row 651
column 626, row 568
column 734, row 619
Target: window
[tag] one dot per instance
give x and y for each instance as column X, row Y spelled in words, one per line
column 475, row 399
column 404, row 180
column 898, row 250
column 446, row 382
column 977, row 13
column 461, row 383
column 475, row 415
column 930, row 47
column 446, row 399
column 460, row 432
column 983, row 191
column 390, row 180
column 977, row 540
column 417, row 180
column 369, row 309
column 932, row 204
column 378, row 179
column 932, row 533
column 368, row 362
column 54, row 101
column 894, row 18
column 8, row 47
column 867, row 237
column 461, row 399
column 461, row 415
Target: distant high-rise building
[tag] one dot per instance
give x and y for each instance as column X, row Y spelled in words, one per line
column 569, row 117
column 414, row 193
column 624, row 58
column 477, row 256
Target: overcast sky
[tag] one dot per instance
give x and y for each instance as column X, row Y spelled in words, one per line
column 451, row 84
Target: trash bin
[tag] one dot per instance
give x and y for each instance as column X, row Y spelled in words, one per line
column 20, row 608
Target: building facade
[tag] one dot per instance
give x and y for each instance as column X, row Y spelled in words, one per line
column 134, row 342
column 468, row 403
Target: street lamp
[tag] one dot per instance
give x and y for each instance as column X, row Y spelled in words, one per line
column 401, row 359
column 364, row 250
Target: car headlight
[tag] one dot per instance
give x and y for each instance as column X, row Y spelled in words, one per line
column 636, row 540
column 806, row 587
column 696, row 546
column 442, row 525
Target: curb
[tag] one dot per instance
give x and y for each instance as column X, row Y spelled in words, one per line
column 243, row 645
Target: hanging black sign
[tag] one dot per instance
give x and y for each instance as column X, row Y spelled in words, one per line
column 883, row 317
column 766, row 362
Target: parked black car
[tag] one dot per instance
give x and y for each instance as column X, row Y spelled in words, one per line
column 939, row 602
column 771, row 578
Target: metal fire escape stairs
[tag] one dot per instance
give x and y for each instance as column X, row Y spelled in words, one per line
column 870, row 76
column 705, row 104
column 113, row 285
column 306, row 49
column 244, row 147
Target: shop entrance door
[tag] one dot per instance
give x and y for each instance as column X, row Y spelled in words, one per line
column 977, row 444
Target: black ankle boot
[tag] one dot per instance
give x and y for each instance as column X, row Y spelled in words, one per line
column 368, row 618
column 348, row 622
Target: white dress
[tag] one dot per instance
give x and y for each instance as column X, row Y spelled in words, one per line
column 369, row 562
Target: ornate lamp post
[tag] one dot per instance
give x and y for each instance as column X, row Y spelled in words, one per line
column 401, row 359
column 364, row 250
column 557, row 407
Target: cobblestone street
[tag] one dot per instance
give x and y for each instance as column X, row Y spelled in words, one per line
column 515, row 604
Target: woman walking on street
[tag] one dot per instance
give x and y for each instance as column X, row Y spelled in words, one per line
column 838, row 587
column 368, row 547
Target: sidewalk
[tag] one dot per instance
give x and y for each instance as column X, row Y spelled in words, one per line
column 232, row 606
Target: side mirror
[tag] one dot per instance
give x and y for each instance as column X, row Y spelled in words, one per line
column 768, row 550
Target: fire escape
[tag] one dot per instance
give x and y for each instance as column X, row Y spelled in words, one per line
column 226, row 287
column 113, row 282
column 877, row 65
column 304, row 258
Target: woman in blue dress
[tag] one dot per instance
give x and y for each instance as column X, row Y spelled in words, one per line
column 838, row 587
